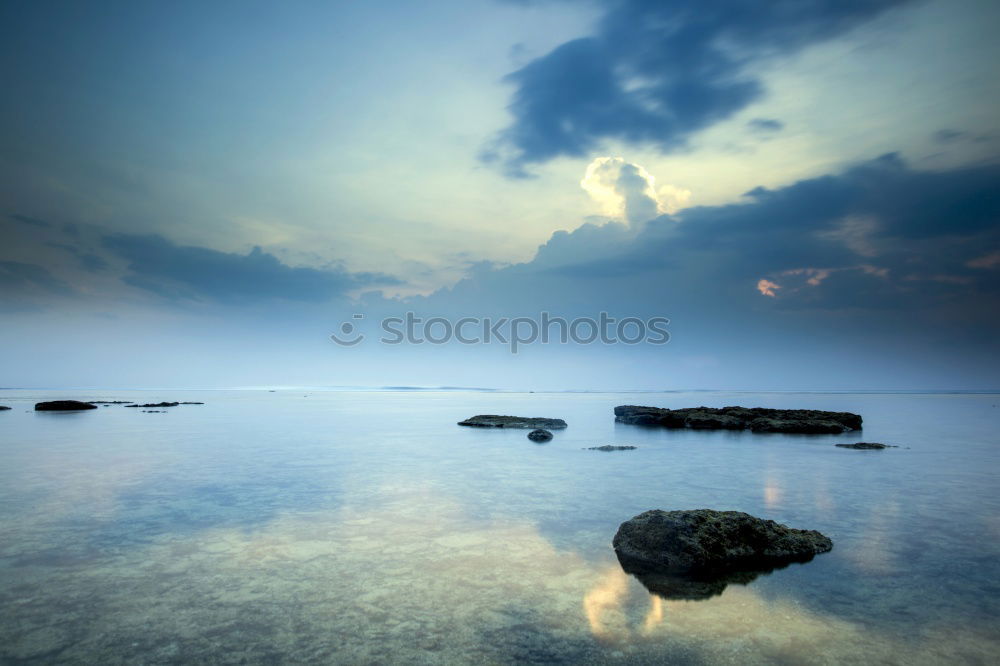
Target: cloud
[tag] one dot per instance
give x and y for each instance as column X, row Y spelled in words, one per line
column 19, row 275
column 195, row 273
column 878, row 236
column 89, row 261
column 30, row 221
column 766, row 287
column 766, row 125
column 628, row 191
column 654, row 73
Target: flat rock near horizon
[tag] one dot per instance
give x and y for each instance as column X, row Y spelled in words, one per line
column 756, row 419
column 63, row 406
column 498, row 421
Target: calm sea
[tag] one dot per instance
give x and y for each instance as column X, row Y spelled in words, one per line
column 366, row 527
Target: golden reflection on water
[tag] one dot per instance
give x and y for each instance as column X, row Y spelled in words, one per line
column 414, row 578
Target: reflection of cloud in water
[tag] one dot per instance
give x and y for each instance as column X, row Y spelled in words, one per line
column 873, row 554
column 414, row 580
column 772, row 493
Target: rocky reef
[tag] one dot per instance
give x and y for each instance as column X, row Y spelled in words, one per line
column 497, row 421
column 63, row 406
column 694, row 554
column 756, row 419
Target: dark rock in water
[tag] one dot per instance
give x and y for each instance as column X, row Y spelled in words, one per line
column 495, row 421
column 156, row 404
column 704, row 420
column 4, row 408
column 610, row 447
column 694, row 587
column 867, row 446
column 111, row 402
column 539, row 435
column 757, row 419
column 153, row 411
column 703, row 541
column 191, row 403
column 63, row 406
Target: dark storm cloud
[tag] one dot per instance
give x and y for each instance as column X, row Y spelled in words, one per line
column 182, row 272
column 879, row 236
column 30, row 221
column 657, row 71
column 89, row 261
column 16, row 276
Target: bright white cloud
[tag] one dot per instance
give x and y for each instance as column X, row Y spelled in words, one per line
column 627, row 191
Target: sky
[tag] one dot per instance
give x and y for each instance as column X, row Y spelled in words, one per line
column 199, row 194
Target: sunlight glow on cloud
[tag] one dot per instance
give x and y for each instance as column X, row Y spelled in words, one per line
column 766, row 287
column 627, row 191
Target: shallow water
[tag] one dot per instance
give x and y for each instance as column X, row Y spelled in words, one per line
column 366, row 527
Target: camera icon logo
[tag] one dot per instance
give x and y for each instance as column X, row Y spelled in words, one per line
column 347, row 329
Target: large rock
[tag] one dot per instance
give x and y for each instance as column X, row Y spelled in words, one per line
column 63, row 406
column 495, row 421
column 705, row 541
column 757, row 419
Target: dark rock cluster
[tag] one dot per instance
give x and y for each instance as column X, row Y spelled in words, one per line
column 756, row 419
column 496, row 421
column 63, row 406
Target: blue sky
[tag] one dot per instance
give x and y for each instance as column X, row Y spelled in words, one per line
column 197, row 194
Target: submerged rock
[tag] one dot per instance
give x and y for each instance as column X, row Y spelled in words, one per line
column 156, row 404
column 757, row 419
column 63, row 406
column 191, row 403
column 539, row 435
column 496, row 421
column 704, row 541
column 867, row 446
column 110, row 402
column 611, row 447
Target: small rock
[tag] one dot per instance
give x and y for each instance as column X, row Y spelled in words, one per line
column 4, row 408
column 540, row 435
column 610, row 447
column 867, row 446
column 63, row 406
column 156, row 404
column 496, row 421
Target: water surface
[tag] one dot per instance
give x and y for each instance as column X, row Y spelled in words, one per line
column 366, row 527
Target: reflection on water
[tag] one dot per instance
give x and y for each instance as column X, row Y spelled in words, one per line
column 233, row 535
